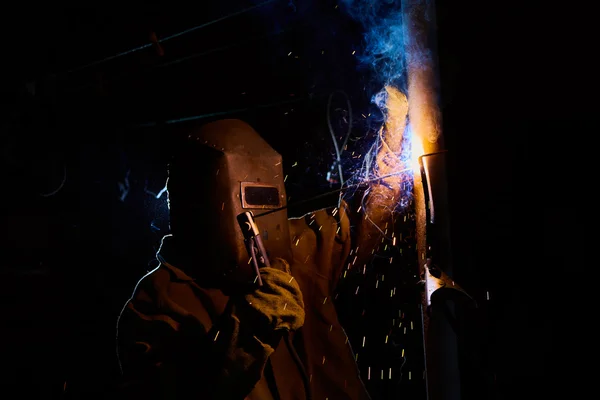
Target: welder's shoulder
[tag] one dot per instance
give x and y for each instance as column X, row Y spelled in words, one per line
column 151, row 285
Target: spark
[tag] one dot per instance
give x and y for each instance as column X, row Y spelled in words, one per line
column 369, row 374
column 364, row 339
column 325, row 300
column 291, row 279
column 285, row 306
column 289, row 54
column 216, row 336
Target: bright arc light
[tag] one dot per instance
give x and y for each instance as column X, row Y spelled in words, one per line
column 416, row 152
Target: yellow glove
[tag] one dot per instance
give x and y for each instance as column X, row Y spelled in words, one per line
column 277, row 304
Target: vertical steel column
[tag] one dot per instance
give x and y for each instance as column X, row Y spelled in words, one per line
column 441, row 348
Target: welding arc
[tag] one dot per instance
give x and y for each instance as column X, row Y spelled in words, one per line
column 175, row 35
column 330, row 193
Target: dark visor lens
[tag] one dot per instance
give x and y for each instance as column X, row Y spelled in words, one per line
column 261, row 196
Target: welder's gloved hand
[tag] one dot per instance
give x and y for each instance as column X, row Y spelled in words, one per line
column 277, row 304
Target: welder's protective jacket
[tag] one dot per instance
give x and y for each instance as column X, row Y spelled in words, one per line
column 179, row 340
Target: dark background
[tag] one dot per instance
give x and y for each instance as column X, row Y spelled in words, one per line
column 84, row 150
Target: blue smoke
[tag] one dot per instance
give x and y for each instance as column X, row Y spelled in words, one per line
column 384, row 41
column 385, row 55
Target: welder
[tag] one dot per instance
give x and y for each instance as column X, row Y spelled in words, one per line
column 206, row 323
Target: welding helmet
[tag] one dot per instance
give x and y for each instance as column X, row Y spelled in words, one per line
column 224, row 169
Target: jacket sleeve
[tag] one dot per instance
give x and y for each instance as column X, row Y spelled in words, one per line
column 166, row 352
column 380, row 201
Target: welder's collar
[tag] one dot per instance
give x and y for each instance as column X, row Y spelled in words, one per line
column 167, row 256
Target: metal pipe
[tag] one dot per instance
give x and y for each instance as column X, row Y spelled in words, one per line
column 175, row 35
column 441, row 352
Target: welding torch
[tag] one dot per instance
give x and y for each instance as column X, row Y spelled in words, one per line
column 254, row 244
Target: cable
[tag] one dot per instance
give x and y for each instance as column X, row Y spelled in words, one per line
column 145, row 46
column 338, row 153
column 298, row 361
column 155, row 67
column 297, row 203
column 60, row 185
